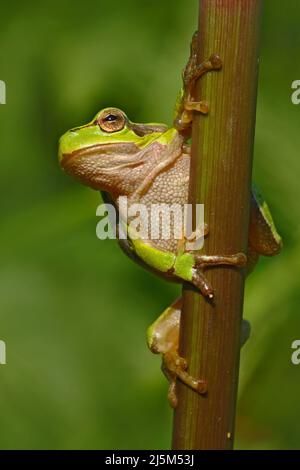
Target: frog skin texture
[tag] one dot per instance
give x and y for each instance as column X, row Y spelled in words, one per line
column 150, row 164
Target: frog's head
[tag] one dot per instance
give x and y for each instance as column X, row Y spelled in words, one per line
column 112, row 153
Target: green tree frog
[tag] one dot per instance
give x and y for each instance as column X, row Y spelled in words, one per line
column 150, row 163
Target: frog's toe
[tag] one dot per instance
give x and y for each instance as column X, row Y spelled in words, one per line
column 172, row 396
column 175, row 367
column 237, row 260
column 200, row 281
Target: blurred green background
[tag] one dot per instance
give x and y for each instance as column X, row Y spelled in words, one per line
column 73, row 309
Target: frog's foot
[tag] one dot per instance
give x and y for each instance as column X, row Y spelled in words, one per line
column 174, row 367
column 162, row 338
column 203, row 261
column 192, row 72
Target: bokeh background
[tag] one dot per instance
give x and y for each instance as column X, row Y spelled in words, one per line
column 73, row 309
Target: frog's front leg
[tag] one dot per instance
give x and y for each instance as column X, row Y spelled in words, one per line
column 163, row 338
column 190, row 266
column 184, row 265
column 186, row 105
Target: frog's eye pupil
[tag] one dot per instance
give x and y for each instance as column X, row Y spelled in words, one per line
column 111, row 118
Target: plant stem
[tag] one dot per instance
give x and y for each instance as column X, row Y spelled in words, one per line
column 222, row 148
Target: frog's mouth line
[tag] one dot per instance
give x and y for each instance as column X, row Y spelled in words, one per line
column 101, row 149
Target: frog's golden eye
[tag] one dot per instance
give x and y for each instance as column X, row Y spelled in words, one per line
column 111, row 120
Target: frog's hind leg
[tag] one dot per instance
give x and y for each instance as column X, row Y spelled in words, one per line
column 163, row 338
column 263, row 236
